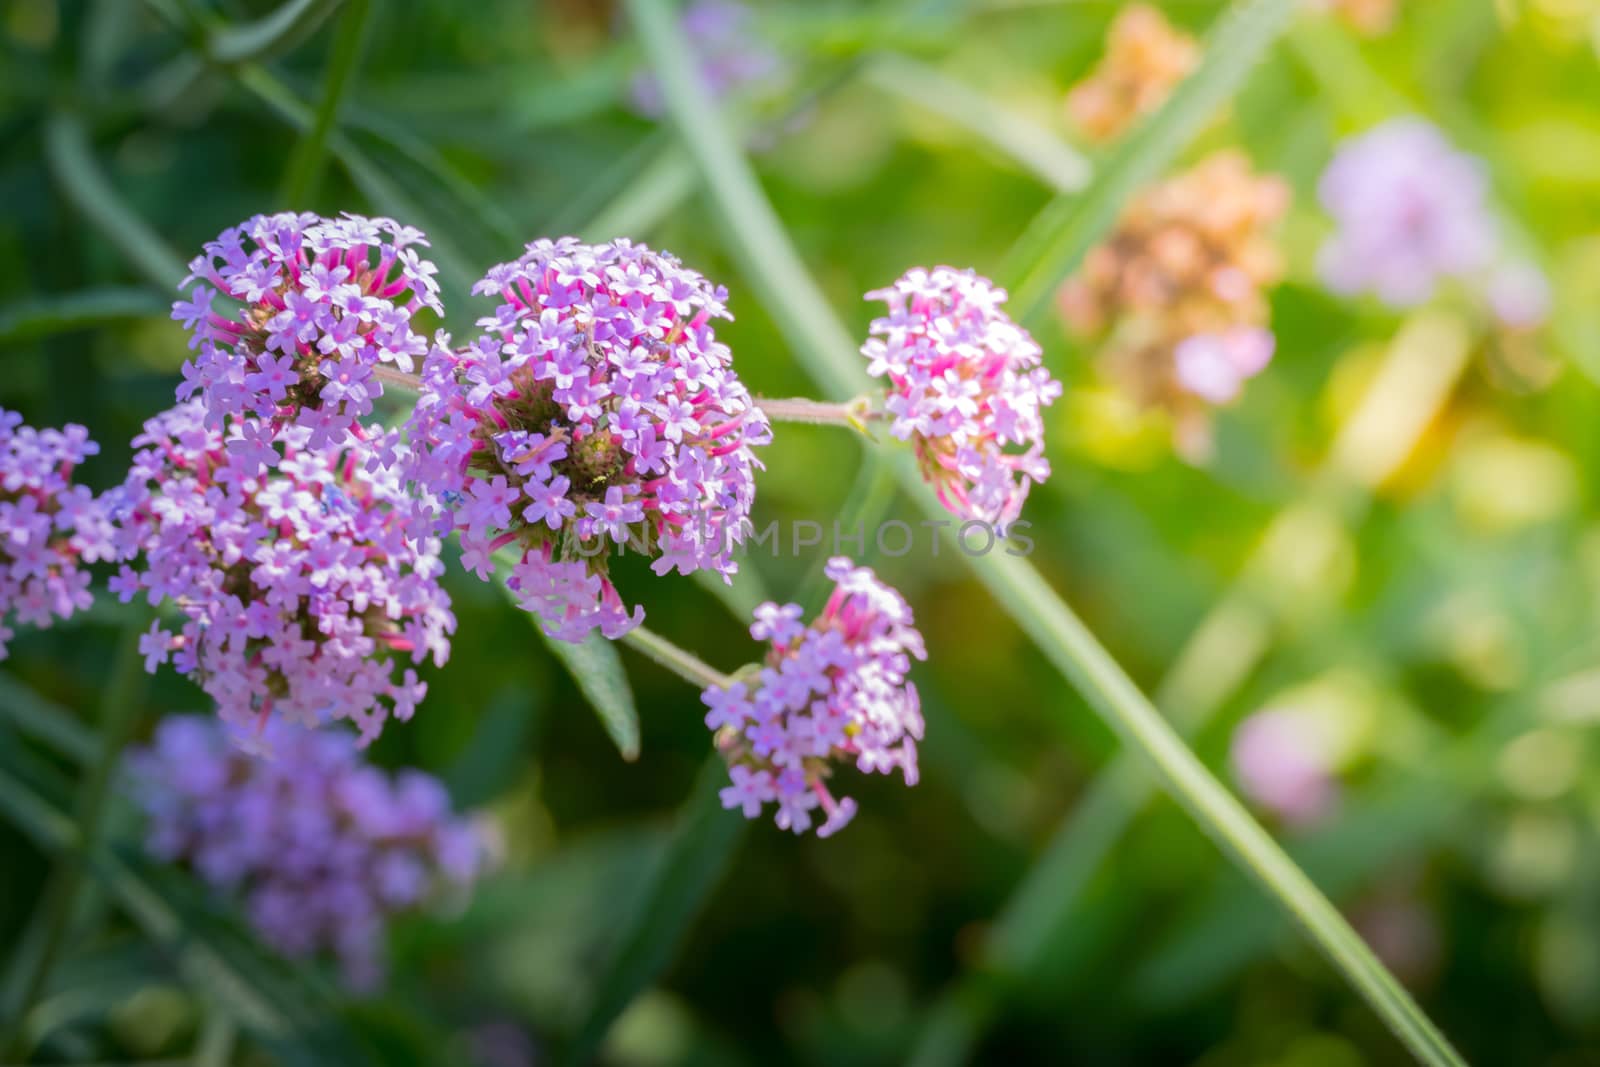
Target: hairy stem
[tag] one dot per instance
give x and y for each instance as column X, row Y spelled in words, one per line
column 679, row 661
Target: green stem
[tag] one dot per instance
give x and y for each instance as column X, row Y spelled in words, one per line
column 820, row 412
column 119, row 715
column 305, row 164
column 770, row 261
column 683, row 663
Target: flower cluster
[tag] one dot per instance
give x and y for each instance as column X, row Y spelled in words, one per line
column 964, row 382
column 596, row 413
column 1145, row 59
column 1369, row 18
column 1284, row 764
column 321, row 848
column 729, row 53
column 295, row 587
column 1178, row 288
column 834, row 690
column 1410, row 211
column 314, row 307
column 49, row 528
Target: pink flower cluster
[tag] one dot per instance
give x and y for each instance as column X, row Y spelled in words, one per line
column 964, row 383
column 834, row 690
column 48, row 526
column 315, row 306
column 1215, row 366
column 1284, row 764
column 296, row 587
column 598, row 413
column 322, row 848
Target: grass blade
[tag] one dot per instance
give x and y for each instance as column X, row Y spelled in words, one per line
column 1067, row 227
column 698, row 852
column 32, row 320
column 823, row 344
column 305, row 162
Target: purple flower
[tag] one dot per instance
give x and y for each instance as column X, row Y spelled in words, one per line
column 320, row 848
column 832, row 691
column 1410, row 211
column 298, row 588
column 1519, row 295
column 728, row 51
column 314, row 305
column 1215, row 366
column 607, row 417
column 1284, row 765
column 49, row 528
column 964, row 384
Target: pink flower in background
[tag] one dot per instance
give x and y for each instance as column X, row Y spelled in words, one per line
column 312, row 307
column 1410, row 212
column 1283, row 764
column 598, row 413
column 835, row 690
column 320, row 849
column 729, row 53
column 966, row 386
column 1519, row 295
column 298, row 589
column 49, row 528
column 1215, row 366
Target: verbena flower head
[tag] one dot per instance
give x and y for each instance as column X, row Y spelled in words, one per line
column 1145, row 59
column 965, row 386
column 320, row 848
column 729, row 53
column 598, row 413
column 49, row 528
column 1410, row 212
column 309, row 307
column 835, row 690
column 1283, row 763
column 1177, row 294
column 298, row 589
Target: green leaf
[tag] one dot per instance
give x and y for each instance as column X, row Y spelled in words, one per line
column 697, row 854
column 271, row 34
column 1035, row 148
column 86, row 309
column 47, row 722
column 78, row 176
column 305, row 162
column 597, row 668
column 1067, row 227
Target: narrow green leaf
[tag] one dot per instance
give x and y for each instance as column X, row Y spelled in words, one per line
column 270, row 35
column 697, row 854
column 46, row 722
column 305, row 162
column 597, row 668
column 495, row 754
column 47, row 316
column 1035, row 148
column 1064, row 231
column 72, row 165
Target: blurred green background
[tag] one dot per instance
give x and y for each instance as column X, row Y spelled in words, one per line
column 1441, row 614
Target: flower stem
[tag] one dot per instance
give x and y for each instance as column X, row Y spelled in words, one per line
column 305, row 164
column 800, row 409
column 119, row 714
column 679, row 661
column 397, row 378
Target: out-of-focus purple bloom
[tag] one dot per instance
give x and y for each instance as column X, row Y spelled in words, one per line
column 1410, row 211
column 1215, row 366
column 1283, row 764
column 320, row 848
column 312, row 307
column 49, row 528
column 834, row 690
column 728, row 49
column 964, row 383
column 298, row 587
column 1519, row 295
column 597, row 414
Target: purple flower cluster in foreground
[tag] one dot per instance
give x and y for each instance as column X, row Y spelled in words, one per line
column 729, row 53
column 965, row 382
column 296, row 587
column 321, row 848
column 1411, row 212
column 49, row 527
column 596, row 413
column 834, row 690
column 312, row 307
